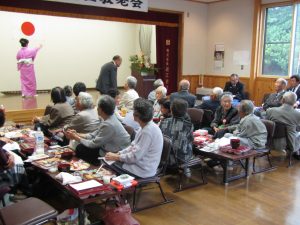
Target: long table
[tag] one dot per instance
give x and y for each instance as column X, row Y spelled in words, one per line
column 82, row 201
column 224, row 158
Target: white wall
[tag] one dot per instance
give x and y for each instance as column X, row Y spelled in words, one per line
column 194, row 38
column 229, row 23
column 73, row 49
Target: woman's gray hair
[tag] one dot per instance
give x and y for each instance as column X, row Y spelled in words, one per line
column 157, row 83
column 227, row 95
column 246, row 106
column 131, row 82
column 163, row 90
column 85, row 100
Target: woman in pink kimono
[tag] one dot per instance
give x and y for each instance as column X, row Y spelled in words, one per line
column 25, row 59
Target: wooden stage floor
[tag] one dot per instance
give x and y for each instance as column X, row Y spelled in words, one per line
column 20, row 109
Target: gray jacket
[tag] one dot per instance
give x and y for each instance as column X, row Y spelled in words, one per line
column 252, row 128
column 287, row 115
column 86, row 121
column 107, row 78
column 110, row 136
column 142, row 157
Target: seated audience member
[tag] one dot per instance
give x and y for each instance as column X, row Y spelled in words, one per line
column 180, row 131
column 142, row 157
column 12, row 172
column 87, row 120
column 235, row 87
column 295, row 86
column 110, row 136
column 130, row 94
column 287, row 115
column 214, row 102
column 274, row 99
column 78, row 87
column 157, row 83
column 69, row 92
column 184, row 86
column 129, row 121
column 60, row 114
column 226, row 115
column 251, row 130
column 165, row 108
column 160, row 93
column 115, row 94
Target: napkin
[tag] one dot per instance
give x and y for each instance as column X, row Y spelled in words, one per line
column 67, row 178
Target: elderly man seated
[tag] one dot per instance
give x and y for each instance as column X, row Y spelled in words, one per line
column 110, row 136
column 274, row 99
column 184, row 86
column 287, row 115
column 251, row 131
column 180, row 131
column 142, row 157
column 225, row 117
column 214, row 102
column 130, row 94
column 160, row 93
column 157, row 83
column 235, row 87
column 87, row 120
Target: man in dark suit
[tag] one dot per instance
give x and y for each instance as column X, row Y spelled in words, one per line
column 275, row 99
column 295, row 86
column 108, row 75
column 184, row 87
column 235, row 87
column 214, row 102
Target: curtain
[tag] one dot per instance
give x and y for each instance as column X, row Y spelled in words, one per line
column 145, row 38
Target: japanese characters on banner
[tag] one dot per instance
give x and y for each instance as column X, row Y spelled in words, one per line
column 136, row 5
column 167, row 68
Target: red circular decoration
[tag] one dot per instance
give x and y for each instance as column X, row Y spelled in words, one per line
column 28, row 28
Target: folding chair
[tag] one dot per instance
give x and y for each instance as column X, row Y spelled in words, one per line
column 270, row 125
column 161, row 170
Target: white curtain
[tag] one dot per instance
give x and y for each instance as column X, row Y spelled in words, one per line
column 145, row 38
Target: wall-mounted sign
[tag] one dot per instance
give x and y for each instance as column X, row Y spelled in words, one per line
column 136, row 5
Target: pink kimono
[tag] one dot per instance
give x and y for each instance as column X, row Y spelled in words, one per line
column 25, row 59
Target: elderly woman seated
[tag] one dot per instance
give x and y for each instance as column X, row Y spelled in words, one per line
column 225, row 116
column 110, row 136
column 130, row 94
column 251, row 131
column 60, row 114
column 12, row 172
column 160, row 93
column 142, row 157
column 214, row 102
column 87, row 120
column 180, row 131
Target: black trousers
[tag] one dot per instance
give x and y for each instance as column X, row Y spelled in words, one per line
column 89, row 155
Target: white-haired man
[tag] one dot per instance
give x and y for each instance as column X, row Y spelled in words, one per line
column 87, row 120
column 130, row 94
column 274, row 99
column 290, row 117
column 214, row 102
column 183, row 93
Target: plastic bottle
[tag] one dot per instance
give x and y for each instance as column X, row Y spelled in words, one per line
column 39, row 142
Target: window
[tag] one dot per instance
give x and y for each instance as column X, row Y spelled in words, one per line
column 278, row 40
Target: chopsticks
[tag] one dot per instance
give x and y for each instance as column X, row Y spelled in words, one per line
column 99, row 168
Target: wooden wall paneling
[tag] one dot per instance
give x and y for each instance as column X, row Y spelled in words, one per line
column 23, row 116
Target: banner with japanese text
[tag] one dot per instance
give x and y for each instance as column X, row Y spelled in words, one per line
column 136, row 5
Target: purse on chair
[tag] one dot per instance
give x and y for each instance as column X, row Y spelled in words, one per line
column 119, row 215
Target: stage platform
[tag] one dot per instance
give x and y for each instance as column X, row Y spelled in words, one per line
column 22, row 110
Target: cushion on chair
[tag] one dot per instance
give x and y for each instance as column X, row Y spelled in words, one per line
column 30, row 211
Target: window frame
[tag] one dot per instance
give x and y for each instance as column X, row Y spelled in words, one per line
column 261, row 44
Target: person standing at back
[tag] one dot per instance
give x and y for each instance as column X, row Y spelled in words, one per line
column 108, row 75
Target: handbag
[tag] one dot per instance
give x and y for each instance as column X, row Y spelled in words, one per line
column 119, row 215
